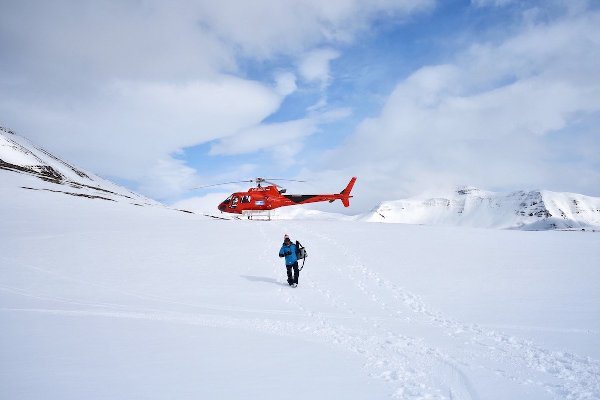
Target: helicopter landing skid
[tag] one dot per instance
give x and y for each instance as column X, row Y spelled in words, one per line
column 264, row 215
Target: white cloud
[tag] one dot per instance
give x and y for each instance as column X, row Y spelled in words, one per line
column 314, row 67
column 274, row 26
column 491, row 3
column 285, row 83
column 283, row 139
column 494, row 117
column 138, row 124
column 168, row 177
column 265, row 136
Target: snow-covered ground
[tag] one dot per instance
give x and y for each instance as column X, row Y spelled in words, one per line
column 103, row 299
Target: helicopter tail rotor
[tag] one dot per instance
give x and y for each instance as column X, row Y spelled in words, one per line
column 346, row 192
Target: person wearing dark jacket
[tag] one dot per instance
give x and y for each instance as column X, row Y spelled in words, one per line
column 288, row 250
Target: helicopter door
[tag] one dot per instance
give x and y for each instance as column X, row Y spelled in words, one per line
column 234, row 202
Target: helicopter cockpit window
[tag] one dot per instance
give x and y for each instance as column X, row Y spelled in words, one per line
column 245, row 199
column 234, row 202
column 227, row 200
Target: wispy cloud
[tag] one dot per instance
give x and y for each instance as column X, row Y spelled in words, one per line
column 491, row 3
column 283, row 139
column 314, row 66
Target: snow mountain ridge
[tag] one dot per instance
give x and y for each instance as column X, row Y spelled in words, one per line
column 472, row 207
column 17, row 154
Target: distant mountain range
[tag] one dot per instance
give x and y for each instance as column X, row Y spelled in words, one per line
column 468, row 206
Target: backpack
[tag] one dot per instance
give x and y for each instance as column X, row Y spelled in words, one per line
column 300, row 251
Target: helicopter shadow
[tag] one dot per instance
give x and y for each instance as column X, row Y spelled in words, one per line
column 253, row 278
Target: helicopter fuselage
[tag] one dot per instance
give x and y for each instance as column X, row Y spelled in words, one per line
column 270, row 197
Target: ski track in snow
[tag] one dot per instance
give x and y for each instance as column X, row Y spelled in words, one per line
column 402, row 361
column 561, row 374
column 414, row 368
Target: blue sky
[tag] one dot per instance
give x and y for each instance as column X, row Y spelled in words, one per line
column 410, row 96
column 364, row 74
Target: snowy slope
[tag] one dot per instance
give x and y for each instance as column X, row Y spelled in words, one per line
column 102, row 300
column 20, row 157
column 534, row 210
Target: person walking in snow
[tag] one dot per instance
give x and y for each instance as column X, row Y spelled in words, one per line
column 288, row 250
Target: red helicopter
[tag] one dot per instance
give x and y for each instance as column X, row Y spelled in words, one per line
column 273, row 196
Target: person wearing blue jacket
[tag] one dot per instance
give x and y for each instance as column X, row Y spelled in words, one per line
column 288, row 250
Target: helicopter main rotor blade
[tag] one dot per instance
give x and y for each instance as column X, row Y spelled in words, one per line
column 257, row 180
column 281, row 179
column 219, row 184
